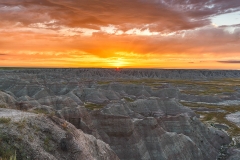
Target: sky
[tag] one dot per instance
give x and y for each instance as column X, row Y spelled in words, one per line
column 184, row 34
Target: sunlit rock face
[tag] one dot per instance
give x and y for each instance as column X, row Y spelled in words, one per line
column 135, row 120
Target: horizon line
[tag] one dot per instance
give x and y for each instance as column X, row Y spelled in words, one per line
column 123, row 68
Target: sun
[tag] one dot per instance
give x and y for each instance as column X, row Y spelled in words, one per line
column 118, row 63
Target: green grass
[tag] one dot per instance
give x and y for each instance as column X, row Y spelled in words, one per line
column 93, row 106
column 210, row 90
column 39, row 111
column 128, row 99
column 206, row 87
column 47, row 145
column 195, row 87
column 198, row 105
column 21, row 124
column 7, row 153
column 217, row 117
column 220, row 118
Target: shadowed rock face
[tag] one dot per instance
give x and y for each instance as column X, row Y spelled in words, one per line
column 151, row 137
column 208, row 140
column 136, row 121
column 145, row 139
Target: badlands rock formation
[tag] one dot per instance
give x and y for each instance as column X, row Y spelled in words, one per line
column 92, row 74
column 35, row 136
column 86, row 120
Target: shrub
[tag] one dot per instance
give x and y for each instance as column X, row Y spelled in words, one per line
column 3, row 106
column 5, row 120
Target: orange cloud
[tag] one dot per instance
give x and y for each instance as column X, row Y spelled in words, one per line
column 121, row 33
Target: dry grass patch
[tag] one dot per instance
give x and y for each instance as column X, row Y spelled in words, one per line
column 5, row 120
column 93, row 106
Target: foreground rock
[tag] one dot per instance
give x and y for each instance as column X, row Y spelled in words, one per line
column 39, row 137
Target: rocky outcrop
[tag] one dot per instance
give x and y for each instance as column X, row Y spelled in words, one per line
column 150, row 137
column 144, row 139
column 108, row 121
column 134, row 134
column 40, row 137
column 58, row 102
column 235, row 154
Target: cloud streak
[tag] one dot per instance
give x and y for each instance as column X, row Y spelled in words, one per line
column 230, row 61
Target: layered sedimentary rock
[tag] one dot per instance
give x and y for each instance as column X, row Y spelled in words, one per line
column 135, row 120
column 40, row 137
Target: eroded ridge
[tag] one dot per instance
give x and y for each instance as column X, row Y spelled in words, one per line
column 61, row 114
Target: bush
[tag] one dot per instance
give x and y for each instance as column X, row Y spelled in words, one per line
column 5, row 120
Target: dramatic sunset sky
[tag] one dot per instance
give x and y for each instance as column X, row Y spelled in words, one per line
column 120, row 33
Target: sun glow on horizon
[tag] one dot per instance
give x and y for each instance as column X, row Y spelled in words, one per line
column 135, row 34
column 118, row 63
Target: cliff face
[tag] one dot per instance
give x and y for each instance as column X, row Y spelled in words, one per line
column 34, row 136
column 84, row 120
column 134, row 136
